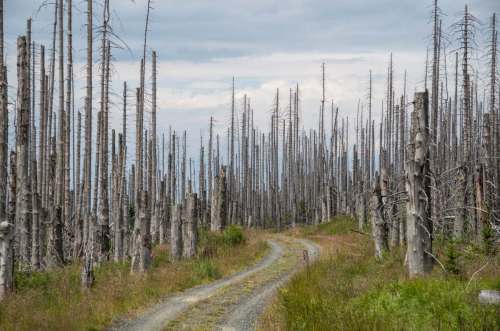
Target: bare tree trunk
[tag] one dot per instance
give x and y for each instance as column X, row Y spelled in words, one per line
column 219, row 203
column 69, row 225
column 210, row 167
column 379, row 224
column 61, row 141
column 35, row 198
column 189, row 226
column 103, row 208
column 6, row 227
column 141, row 259
column 78, row 205
column 154, row 169
column 23, row 217
column 176, row 232
column 7, row 238
column 419, row 224
column 87, row 162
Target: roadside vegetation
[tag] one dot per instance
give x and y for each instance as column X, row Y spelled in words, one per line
column 348, row 289
column 55, row 300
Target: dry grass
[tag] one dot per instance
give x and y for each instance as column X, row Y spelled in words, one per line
column 347, row 289
column 55, row 301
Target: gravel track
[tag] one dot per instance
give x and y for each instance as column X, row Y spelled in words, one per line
column 162, row 313
column 231, row 303
column 246, row 313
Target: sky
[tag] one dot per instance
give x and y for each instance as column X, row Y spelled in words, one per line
column 264, row 44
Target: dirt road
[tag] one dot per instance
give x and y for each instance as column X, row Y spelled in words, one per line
column 231, row 303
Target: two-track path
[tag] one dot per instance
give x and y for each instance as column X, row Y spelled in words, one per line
column 231, row 303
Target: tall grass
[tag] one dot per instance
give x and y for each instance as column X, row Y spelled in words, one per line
column 55, row 301
column 349, row 289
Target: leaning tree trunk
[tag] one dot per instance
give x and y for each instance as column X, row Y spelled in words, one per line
column 419, row 224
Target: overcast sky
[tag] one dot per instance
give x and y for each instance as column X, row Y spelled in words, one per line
column 265, row 44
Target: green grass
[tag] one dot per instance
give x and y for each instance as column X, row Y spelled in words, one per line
column 348, row 289
column 55, row 300
column 339, row 225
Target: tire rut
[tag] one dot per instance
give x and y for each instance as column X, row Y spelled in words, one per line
column 244, row 316
column 237, row 307
column 157, row 317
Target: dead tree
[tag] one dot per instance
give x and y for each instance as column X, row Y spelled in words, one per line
column 6, row 227
column 419, row 223
column 23, row 212
column 154, row 166
column 190, row 226
column 141, row 257
column 219, row 203
column 379, row 224
column 176, row 244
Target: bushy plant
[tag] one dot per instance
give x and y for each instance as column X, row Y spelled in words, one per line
column 233, row 235
column 33, row 280
column 489, row 240
column 452, row 257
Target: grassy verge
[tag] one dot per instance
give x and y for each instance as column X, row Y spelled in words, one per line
column 347, row 289
column 55, row 301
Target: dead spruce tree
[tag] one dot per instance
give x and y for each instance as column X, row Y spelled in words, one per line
column 190, row 226
column 419, row 223
column 379, row 224
column 176, row 226
column 6, row 227
column 438, row 175
column 23, row 212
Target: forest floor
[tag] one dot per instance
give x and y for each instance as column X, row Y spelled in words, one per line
column 54, row 300
column 348, row 289
column 232, row 303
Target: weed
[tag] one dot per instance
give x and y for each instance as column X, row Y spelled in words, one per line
column 206, row 270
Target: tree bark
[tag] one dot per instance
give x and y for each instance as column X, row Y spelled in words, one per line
column 190, row 227
column 176, row 232
column 419, row 224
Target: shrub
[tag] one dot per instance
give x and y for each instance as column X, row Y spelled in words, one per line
column 452, row 256
column 33, row 280
column 488, row 240
column 233, row 235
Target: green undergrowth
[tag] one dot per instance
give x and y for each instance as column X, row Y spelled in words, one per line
column 348, row 289
column 55, row 300
column 339, row 225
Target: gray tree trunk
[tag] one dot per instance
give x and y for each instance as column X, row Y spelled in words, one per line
column 379, row 224
column 219, row 203
column 419, row 224
column 190, row 227
column 23, row 214
column 176, row 232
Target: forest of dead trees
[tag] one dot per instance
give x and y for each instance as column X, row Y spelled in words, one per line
column 70, row 194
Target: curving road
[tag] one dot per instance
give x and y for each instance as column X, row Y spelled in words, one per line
column 231, row 303
column 245, row 315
